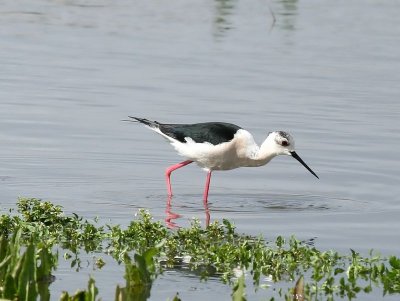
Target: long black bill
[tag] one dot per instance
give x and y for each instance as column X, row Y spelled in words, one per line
column 297, row 157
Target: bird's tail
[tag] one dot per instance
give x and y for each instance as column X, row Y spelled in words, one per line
column 152, row 124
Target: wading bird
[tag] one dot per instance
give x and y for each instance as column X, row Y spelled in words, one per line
column 220, row 146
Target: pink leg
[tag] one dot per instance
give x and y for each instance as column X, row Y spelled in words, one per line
column 170, row 170
column 207, row 211
column 207, row 188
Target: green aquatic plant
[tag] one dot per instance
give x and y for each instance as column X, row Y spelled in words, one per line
column 139, row 276
column 146, row 248
column 140, row 235
column 82, row 295
column 238, row 293
column 25, row 275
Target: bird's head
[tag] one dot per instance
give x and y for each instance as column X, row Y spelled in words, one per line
column 282, row 143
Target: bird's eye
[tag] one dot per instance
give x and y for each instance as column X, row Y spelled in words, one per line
column 285, row 143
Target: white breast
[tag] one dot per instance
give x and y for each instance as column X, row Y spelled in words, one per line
column 240, row 151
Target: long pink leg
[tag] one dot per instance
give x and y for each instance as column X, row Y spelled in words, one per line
column 170, row 170
column 207, row 188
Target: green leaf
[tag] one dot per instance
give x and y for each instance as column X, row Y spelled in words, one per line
column 10, row 289
column 92, row 290
column 239, row 290
column 27, row 289
column 394, row 262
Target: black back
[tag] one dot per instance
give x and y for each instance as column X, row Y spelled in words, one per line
column 212, row 132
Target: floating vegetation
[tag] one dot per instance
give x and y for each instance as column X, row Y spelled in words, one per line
column 32, row 238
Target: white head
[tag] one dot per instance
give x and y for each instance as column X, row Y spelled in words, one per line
column 282, row 143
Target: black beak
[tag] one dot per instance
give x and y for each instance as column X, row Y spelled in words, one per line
column 297, row 157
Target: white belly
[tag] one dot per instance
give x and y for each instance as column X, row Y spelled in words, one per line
column 239, row 152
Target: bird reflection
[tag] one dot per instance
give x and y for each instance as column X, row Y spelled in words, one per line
column 170, row 216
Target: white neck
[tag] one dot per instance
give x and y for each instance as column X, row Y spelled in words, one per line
column 263, row 154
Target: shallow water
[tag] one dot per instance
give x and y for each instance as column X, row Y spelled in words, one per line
column 326, row 72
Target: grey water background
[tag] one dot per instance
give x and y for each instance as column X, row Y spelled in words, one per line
column 326, row 71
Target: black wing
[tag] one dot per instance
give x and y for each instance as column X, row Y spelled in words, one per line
column 212, row 132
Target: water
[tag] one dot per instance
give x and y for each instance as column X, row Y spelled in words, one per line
column 325, row 71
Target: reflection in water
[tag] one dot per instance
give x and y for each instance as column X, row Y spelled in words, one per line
column 286, row 14
column 171, row 216
column 240, row 205
column 259, row 205
column 223, row 11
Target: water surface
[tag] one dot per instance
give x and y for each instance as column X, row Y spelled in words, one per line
column 325, row 71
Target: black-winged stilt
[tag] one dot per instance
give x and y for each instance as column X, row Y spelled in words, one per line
column 220, row 146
